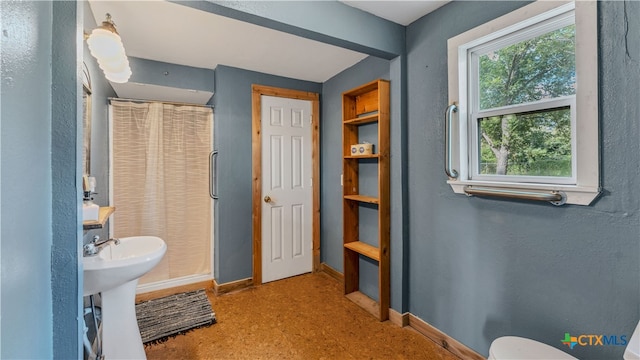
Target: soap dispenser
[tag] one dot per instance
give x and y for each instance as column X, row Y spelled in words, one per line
column 90, row 210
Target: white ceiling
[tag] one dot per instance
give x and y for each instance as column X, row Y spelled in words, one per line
column 177, row 34
column 401, row 12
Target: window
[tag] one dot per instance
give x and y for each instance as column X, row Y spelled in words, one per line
column 525, row 86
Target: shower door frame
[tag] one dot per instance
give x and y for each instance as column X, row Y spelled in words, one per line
column 187, row 280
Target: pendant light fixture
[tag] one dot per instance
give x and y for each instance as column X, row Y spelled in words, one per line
column 106, row 46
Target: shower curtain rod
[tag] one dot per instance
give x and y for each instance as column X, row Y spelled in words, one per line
column 164, row 102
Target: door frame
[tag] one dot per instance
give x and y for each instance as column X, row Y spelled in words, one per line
column 256, row 170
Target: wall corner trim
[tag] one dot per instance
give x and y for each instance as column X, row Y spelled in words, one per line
column 226, row 288
column 399, row 319
column 332, row 272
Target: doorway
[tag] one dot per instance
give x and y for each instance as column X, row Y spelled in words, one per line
column 258, row 198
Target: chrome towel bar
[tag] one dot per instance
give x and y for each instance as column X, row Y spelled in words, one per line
column 447, row 141
column 213, row 183
column 555, row 197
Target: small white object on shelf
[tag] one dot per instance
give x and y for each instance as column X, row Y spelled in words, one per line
column 361, row 149
column 90, row 211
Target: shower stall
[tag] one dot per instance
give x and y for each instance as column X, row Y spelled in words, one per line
column 160, row 185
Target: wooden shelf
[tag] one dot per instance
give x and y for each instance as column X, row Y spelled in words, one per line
column 372, row 156
column 365, row 249
column 103, row 216
column 366, row 89
column 362, row 120
column 366, row 104
column 362, row 198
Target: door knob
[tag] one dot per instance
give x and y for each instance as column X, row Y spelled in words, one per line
column 267, row 199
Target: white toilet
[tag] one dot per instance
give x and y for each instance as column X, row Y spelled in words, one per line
column 513, row 347
column 632, row 352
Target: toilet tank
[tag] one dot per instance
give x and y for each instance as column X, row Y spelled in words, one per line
column 632, row 352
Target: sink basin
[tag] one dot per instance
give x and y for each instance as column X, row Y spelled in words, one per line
column 114, row 273
column 118, row 264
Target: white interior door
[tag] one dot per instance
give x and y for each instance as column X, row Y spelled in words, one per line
column 286, row 187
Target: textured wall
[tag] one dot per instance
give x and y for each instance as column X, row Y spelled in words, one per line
column 482, row 268
column 233, row 244
column 26, row 315
column 66, row 165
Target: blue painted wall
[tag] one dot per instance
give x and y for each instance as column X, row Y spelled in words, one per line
column 481, row 268
column 232, row 138
column 26, row 208
column 40, row 175
column 399, row 190
column 164, row 74
column 66, row 165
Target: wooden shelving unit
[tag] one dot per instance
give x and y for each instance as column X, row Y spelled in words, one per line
column 366, row 104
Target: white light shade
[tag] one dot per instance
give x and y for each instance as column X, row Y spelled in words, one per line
column 106, row 46
column 114, row 65
column 118, row 77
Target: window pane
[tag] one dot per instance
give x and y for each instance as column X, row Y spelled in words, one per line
column 526, row 144
column 531, row 70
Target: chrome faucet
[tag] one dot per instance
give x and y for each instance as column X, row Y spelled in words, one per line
column 95, row 245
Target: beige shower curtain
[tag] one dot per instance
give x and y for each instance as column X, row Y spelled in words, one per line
column 160, row 165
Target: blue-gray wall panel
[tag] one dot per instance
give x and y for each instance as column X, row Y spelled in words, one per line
column 233, row 244
column 164, row 74
column 399, row 191
column 26, row 313
column 66, row 164
column 482, row 268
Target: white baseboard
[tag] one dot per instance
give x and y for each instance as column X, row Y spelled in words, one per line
column 171, row 283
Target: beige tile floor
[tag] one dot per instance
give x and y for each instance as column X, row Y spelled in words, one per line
column 304, row 317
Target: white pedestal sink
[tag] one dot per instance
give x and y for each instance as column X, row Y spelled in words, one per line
column 114, row 273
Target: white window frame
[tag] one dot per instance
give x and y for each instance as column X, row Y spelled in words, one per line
column 583, row 186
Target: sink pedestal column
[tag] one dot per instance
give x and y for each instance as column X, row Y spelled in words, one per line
column 120, row 333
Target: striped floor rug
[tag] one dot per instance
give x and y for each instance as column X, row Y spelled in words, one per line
column 165, row 317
